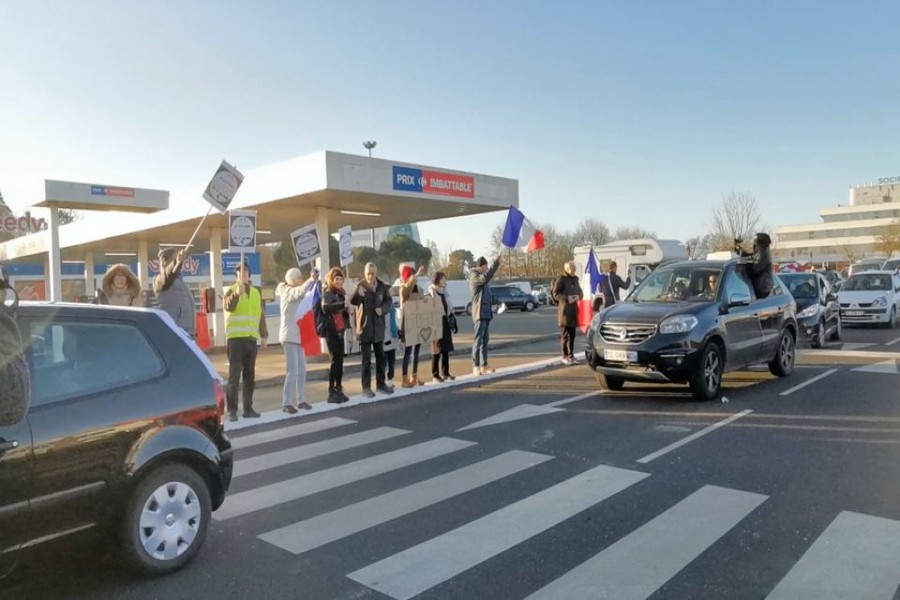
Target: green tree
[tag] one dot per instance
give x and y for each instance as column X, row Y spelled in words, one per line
column 456, row 262
column 361, row 256
column 400, row 249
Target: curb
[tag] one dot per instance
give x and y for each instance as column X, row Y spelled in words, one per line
column 356, row 368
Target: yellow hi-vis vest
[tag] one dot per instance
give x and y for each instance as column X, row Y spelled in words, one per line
column 244, row 321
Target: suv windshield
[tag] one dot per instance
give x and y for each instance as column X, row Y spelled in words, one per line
column 685, row 283
column 868, row 282
column 800, row 286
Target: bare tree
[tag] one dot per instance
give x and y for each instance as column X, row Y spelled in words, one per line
column 849, row 252
column 67, row 216
column 889, row 241
column 737, row 218
column 632, row 233
column 699, row 246
column 591, row 232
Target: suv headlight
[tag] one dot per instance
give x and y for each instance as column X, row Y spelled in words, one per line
column 880, row 302
column 809, row 311
column 678, row 324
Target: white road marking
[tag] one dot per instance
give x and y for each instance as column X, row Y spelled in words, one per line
column 411, row 572
column 326, row 528
column 574, row 399
column 809, row 381
column 295, row 454
column 887, row 367
column 282, row 433
column 306, row 485
column 857, row 556
column 675, row 445
column 636, row 566
column 517, row 413
column 892, row 342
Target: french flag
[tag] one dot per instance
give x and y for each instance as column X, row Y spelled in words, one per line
column 306, row 321
column 519, row 232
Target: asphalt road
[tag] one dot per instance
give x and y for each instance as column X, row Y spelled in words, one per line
column 786, row 491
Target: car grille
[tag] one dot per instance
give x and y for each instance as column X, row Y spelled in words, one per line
column 860, row 305
column 626, row 334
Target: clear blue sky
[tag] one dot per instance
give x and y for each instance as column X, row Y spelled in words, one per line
column 637, row 113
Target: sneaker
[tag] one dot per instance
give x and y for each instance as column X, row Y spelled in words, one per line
column 384, row 390
column 305, row 406
column 341, row 393
column 232, row 417
column 437, row 379
column 449, row 377
column 476, row 371
column 368, row 393
column 486, row 369
column 289, row 410
column 251, row 414
column 334, row 397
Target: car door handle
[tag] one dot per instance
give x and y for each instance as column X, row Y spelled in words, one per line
column 7, row 446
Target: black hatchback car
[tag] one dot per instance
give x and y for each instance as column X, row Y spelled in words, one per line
column 690, row 322
column 818, row 311
column 124, row 434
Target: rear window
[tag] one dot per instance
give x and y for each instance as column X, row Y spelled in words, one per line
column 76, row 358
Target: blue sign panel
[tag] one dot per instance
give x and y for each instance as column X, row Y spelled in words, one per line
column 407, row 180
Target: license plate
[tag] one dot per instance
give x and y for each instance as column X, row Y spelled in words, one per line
column 620, row 355
column 854, row 313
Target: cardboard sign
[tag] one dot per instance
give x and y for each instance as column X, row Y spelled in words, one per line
column 242, row 231
column 306, row 244
column 223, row 186
column 422, row 320
column 346, row 244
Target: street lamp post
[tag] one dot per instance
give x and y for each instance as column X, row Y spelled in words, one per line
column 368, row 145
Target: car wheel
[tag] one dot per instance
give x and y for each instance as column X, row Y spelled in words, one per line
column 469, row 308
column 838, row 326
column 819, row 342
column 706, row 384
column 166, row 519
column 610, row 382
column 892, row 321
column 783, row 363
column 529, row 306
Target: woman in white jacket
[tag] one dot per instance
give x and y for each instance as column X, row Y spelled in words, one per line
column 290, row 293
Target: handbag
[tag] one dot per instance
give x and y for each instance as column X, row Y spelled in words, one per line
column 451, row 322
column 338, row 320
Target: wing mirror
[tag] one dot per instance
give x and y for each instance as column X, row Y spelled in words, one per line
column 738, row 300
column 829, row 298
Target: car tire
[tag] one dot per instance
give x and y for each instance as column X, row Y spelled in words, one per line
column 892, row 320
column 819, row 341
column 783, row 363
column 173, row 499
column 610, row 382
column 838, row 330
column 529, row 306
column 706, row 383
column 469, row 309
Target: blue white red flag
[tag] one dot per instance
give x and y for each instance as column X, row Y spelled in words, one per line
column 306, row 321
column 520, row 233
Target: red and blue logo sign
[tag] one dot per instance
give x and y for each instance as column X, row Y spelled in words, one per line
column 407, row 179
column 108, row 190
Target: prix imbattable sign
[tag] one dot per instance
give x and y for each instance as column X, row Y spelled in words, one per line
column 423, row 181
column 22, row 225
column 93, row 196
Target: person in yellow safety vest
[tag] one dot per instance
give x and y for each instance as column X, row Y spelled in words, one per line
column 245, row 325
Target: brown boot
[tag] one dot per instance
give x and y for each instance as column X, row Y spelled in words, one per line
column 407, row 382
column 415, row 381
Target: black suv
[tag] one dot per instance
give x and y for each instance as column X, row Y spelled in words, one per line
column 510, row 295
column 689, row 322
column 124, row 434
column 818, row 311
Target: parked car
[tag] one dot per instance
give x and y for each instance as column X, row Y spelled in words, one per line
column 512, row 296
column 834, row 279
column 871, row 297
column 125, row 434
column 690, row 322
column 541, row 294
column 891, row 265
column 818, row 312
column 863, row 266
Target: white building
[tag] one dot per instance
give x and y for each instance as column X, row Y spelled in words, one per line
column 847, row 233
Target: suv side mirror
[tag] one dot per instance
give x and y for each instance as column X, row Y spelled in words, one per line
column 829, row 298
column 738, row 300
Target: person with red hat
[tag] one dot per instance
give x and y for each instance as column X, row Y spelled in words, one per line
column 409, row 290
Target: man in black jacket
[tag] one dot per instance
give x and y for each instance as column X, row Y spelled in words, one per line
column 372, row 299
column 567, row 292
column 611, row 285
column 760, row 270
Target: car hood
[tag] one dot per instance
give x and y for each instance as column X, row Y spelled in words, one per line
column 650, row 312
column 845, row 297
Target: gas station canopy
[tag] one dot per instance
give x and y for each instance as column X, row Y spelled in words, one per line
column 327, row 188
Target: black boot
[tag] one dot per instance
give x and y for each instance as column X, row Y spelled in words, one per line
column 340, row 391
column 333, row 396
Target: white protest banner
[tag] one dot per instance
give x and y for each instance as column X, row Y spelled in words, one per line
column 346, row 244
column 306, row 244
column 422, row 320
column 242, row 231
column 223, row 186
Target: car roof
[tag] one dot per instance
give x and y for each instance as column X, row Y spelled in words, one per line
column 720, row 264
column 874, row 272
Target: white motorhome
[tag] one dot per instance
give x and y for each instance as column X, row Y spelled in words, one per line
column 635, row 258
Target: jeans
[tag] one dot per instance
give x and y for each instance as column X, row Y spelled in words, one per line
column 480, row 344
column 414, row 351
column 295, row 374
column 366, row 349
column 390, row 358
column 567, row 341
column 241, row 362
column 335, row 344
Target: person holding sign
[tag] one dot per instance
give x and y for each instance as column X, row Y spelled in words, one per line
column 172, row 292
column 409, row 290
column 372, row 299
column 290, row 293
column 245, row 325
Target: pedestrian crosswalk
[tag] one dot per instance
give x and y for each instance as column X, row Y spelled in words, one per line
column 855, row 556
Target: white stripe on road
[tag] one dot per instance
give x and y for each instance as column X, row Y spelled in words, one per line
column 574, row 399
column 324, row 529
column 809, row 381
column 892, row 342
column 306, row 485
column 314, row 450
column 643, row 561
column 283, row 433
column 430, row 563
column 517, row 413
column 857, row 556
column 675, row 445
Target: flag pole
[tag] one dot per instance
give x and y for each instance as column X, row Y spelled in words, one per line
column 199, row 225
